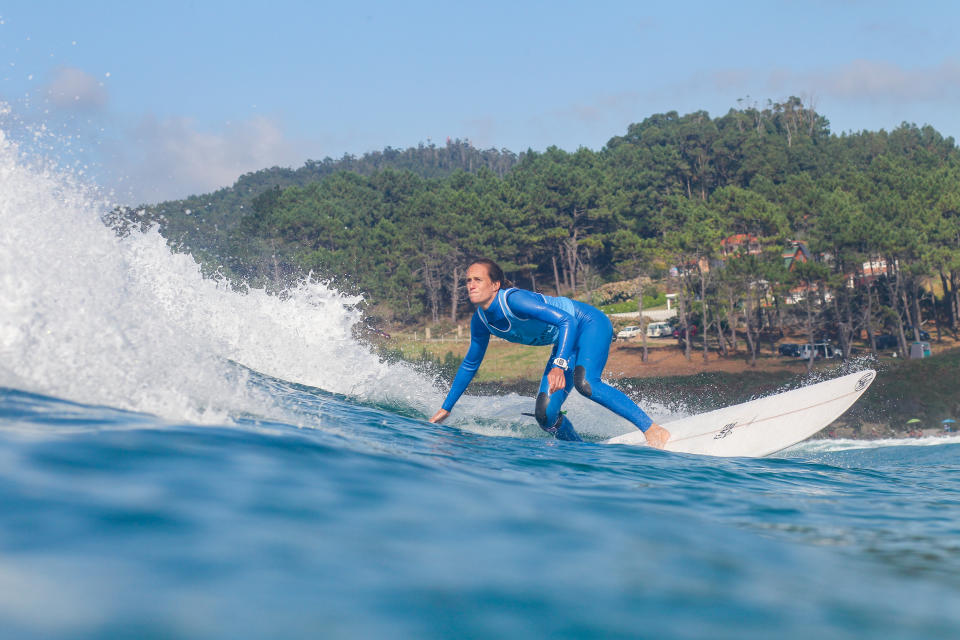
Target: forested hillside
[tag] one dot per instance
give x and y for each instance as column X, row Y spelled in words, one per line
column 875, row 217
column 208, row 225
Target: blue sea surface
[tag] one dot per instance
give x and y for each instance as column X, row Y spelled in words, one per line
column 365, row 523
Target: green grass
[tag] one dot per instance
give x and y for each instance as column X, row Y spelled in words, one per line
column 503, row 361
column 629, row 306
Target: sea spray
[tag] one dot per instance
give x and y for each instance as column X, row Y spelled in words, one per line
column 123, row 320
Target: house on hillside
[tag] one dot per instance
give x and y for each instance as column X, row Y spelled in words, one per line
column 799, row 293
column 691, row 268
column 740, row 244
column 730, row 247
column 796, row 252
column 869, row 271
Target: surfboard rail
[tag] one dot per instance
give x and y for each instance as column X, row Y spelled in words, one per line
column 765, row 425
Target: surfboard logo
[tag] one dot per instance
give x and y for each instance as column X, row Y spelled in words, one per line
column 864, row 381
column 723, row 433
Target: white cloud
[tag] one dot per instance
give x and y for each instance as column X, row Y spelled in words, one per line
column 151, row 159
column 75, row 89
column 174, row 158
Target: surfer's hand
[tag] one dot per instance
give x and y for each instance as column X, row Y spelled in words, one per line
column 657, row 436
column 440, row 416
column 556, row 379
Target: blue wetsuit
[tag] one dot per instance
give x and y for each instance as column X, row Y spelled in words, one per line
column 579, row 333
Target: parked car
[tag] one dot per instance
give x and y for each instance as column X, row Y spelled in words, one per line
column 889, row 340
column 825, row 350
column 659, row 330
column 680, row 334
column 789, row 349
column 885, row 341
column 816, row 350
column 629, row 332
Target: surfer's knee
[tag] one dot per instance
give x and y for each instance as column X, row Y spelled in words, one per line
column 540, row 413
column 580, row 381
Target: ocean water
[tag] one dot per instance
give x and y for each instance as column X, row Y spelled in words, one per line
column 182, row 459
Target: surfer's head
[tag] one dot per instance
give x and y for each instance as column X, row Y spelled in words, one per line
column 484, row 279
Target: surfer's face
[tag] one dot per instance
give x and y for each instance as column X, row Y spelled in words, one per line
column 480, row 288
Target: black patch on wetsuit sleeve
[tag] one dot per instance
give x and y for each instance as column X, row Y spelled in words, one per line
column 580, row 381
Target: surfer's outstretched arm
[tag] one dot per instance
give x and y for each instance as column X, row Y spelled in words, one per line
column 479, row 339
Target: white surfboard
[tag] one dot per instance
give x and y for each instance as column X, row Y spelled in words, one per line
column 763, row 426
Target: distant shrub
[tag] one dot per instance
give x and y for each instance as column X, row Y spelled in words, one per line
column 649, row 302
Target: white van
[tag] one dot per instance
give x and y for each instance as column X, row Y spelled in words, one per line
column 659, row 330
column 628, row 332
column 818, row 350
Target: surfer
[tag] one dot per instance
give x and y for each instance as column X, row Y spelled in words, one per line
column 580, row 335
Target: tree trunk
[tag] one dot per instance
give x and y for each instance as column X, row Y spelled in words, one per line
column 842, row 327
column 936, row 316
column 431, row 282
column 776, row 303
column 949, row 301
column 706, row 325
column 868, row 320
column 747, row 316
column 809, row 309
column 454, row 294
column 571, row 249
column 917, row 317
column 955, row 288
column 643, row 355
column 901, row 332
column 721, row 338
column 733, row 321
column 852, row 329
column 685, row 334
column 556, row 276
column 895, row 287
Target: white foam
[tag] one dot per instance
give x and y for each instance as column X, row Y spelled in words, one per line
column 845, row 444
column 126, row 322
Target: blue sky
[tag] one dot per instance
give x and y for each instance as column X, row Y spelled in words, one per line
column 161, row 100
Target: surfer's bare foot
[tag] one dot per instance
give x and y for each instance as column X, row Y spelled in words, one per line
column 657, row 436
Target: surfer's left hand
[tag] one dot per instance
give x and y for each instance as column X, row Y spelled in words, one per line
column 556, row 379
column 440, row 415
column 657, row 436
